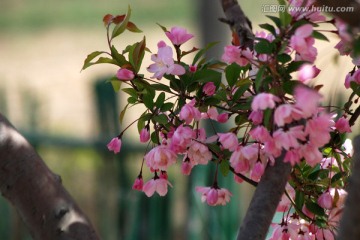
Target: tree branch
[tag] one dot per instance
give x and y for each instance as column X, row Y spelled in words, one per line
column 349, row 224
column 238, row 22
column 38, row 195
column 265, row 201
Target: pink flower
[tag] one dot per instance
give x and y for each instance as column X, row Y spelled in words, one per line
column 292, row 156
column 186, row 167
column 355, row 77
column 181, row 139
column 307, row 100
column 325, row 200
column 307, row 72
column 302, row 42
column 138, row 184
column 192, row 68
column 342, row 125
column 144, row 135
column 199, row 153
column 212, row 113
column 222, row 117
column 257, row 171
column 319, row 129
column 159, row 185
column 282, row 114
column 233, row 54
column 214, row 196
column 228, row 140
column 256, row 117
column 160, row 158
column 125, row 74
column 311, row 154
column 209, row 89
column 263, row 101
column 178, row 35
column 164, row 63
column 114, row 145
column 189, row 112
column 260, row 134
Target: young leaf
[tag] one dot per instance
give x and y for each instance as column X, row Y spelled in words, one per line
column 232, row 73
column 224, row 168
column 89, row 58
column 120, row 28
column 162, row 119
column 120, row 59
column 132, row 27
column 122, row 113
column 137, row 54
column 276, row 20
column 268, row 27
column 160, row 100
column 320, row 36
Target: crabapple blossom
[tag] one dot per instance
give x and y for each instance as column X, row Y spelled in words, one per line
column 263, row 101
column 355, row 77
column 214, row 196
column 114, row 145
column 181, row 139
column 209, row 89
column 192, row 68
column 313, row 16
column 125, row 74
column 222, row 117
column 160, row 158
column 138, row 184
column 257, row 171
column 189, row 112
column 260, row 133
column 283, row 114
column 233, row 54
column 164, row 62
column 307, row 72
column 307, row 100
column 302, row 42
column 342, row 125
column 228, row 140
column 199, row 153
column 186, row 167
column 325, row 200
column 156, row 184
column 144, row 135
column 256, row 117
column 178, row 35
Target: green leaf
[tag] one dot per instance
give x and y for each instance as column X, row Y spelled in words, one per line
column 276, row 20
column 259, row 77
column 116, row 84
column 148, row 101
column 200, row 53
column 160, row 100
column 136, row 54
column 132, row 92
column 356, row 47
column 241, row 90
column 294, row 66
column 162, row 119
column 208, row 75
column 162, row 27
column 122, row 114
column 89, row 58
column 224, row 167
column 120, row 59
column 155, row 137
column 267, row 117
column 161, row 87
column 268, row 27
column 131, row 100
column 263, row 46
column 120, row 28
column 166, row 107
column 355, row 87
column 289, row 86
column 232, row 73
column 315, row 208
column 299, row 199
column 241, row 119
column 283, row 58
column 320, row 36
column 211, row 101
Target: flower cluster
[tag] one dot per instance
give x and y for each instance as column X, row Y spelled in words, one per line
column 269, row 97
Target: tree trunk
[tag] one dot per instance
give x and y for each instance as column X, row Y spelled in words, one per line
column 46, row 208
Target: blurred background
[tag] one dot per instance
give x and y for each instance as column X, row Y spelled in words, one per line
column 69, row 115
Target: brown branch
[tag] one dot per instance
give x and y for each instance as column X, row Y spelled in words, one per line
column 349, row 224
column 265, row 201
column 246, row 179
column 238, row 22
column 354, row 116
column 38, row 195
column 350, row 17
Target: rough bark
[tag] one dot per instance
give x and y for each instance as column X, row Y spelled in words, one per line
column 265, row 201
column 46, row 208
column 349, row 224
